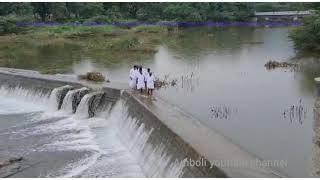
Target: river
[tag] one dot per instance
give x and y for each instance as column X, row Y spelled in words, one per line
column 222, row 82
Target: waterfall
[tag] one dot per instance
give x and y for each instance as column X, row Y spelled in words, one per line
column 56, row 97
column 112, row 144
column 29, row 95
column 83, row 108
column 154, row 159
column 90, row 104
column 70, row 100
column 19, row 100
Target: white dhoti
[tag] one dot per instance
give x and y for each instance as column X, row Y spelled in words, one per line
column 140, row 84
column 132, row 83
column 150, row 82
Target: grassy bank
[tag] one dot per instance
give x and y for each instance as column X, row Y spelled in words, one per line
column 106, row 44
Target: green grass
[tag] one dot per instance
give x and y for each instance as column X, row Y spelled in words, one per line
column 151, row 29
column 74, row 30
column 52, row 50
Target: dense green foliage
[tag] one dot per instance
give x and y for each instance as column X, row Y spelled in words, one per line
column 307, row 37
column 284, row 6
column 152, row 11
column 108, row 12
column 60, row 11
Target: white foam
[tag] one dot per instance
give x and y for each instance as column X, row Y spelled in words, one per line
column 53, row 99
column 21, row 100
column 154, row 160
column 117, row 145
column 67, row 101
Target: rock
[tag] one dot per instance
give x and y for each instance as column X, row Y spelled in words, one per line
column 9, row 161
column 93, row 76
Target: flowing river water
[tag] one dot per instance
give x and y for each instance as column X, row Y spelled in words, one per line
column 222, row 82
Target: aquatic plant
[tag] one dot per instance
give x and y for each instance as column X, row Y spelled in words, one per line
column 295, row 112
column 275, row 64
column 164, row 82
column 222, row 111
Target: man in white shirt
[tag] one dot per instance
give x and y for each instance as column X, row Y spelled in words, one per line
column 132, row 82
column 140, row 80
column 150, row 83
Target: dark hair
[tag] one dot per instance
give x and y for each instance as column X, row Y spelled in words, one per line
column 140, row 69
column 148, row 69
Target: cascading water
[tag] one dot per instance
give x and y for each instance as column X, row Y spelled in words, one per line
column 154, row 160
column 108, row 145
column 57, row 96
column 83, row 110
column 13, row 100
column 67, row 104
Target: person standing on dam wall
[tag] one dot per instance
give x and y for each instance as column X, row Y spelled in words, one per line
column 145, row 73
column 132, row 82
column 140, row 80
column 150, row 83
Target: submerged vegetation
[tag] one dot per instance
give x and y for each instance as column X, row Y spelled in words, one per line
column 275, row 64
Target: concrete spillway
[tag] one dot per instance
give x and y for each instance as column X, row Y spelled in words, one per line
column 164, row 140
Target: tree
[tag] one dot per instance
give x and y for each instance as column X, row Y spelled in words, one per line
column 42, row 9
column 307, row 37
column 15, row 8
column 88, row 10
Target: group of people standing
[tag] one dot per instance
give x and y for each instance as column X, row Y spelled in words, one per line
column 141, row 78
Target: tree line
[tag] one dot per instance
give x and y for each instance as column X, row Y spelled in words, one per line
column 143, row 11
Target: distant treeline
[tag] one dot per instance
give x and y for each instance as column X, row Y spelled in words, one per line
column 143, row 11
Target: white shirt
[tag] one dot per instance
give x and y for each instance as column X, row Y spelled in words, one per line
column 131, row 73
column 145, row 73
column 140, row 83
column 150, row 81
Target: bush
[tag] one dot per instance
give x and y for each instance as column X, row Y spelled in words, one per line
column 69, row 31
column 307, row 37
column 8, row 24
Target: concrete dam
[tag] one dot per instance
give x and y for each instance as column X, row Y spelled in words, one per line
column 76, row 128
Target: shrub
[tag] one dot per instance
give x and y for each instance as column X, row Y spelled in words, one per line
column 8, row 24
column 307, row 37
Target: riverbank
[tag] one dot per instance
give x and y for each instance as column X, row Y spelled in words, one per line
column 108, row 44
